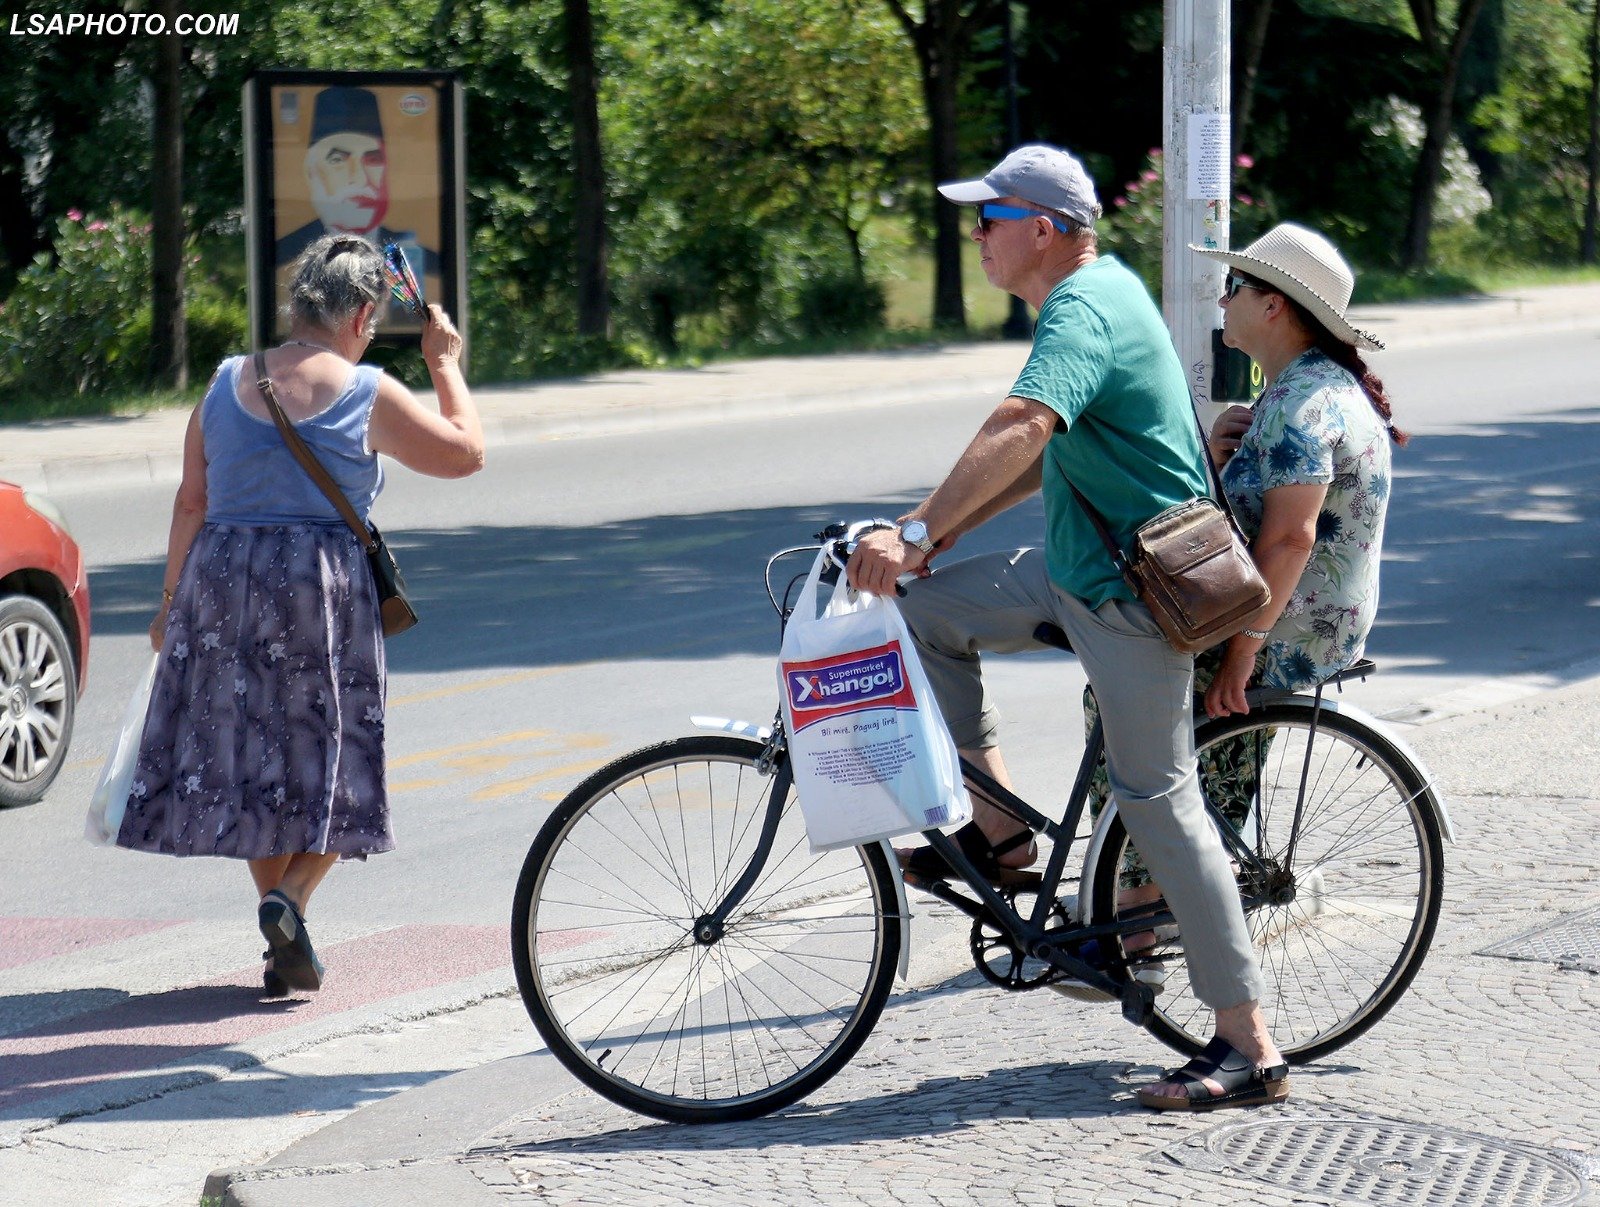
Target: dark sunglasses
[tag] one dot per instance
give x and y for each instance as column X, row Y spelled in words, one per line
column 989, row 214
column 1234, row 282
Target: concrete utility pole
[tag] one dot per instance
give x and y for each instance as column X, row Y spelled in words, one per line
column 1196, row 188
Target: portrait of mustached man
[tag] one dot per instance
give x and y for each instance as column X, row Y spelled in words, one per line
column 347, row 176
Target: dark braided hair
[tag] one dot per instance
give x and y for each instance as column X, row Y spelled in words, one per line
column 1349, row 358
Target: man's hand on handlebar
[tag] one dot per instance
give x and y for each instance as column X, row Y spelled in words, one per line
column 880, row 558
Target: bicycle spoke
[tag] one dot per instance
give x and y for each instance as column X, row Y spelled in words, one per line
column 640, row 1007
column 1340, row 933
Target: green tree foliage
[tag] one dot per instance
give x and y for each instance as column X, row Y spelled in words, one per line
column 78, row 320
column 760, row 155
column 1534, row 126
column 749, row 148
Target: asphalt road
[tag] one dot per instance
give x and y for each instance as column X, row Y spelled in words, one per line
column 583, row 597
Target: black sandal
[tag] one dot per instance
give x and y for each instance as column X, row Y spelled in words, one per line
column 927, row 865
column 1221, row 1065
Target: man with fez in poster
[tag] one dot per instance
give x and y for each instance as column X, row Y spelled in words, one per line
column 347, row 171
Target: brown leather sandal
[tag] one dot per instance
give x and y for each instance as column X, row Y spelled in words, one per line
column 1220, row 1076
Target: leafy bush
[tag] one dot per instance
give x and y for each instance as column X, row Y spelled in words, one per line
column 839, row 304
column 69, row 326
column 217, row 328
column 81, row 325
column 1132, row 226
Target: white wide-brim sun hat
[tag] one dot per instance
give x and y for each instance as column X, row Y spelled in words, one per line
column 1304, row 266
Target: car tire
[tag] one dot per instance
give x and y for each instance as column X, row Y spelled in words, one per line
column 38, row 699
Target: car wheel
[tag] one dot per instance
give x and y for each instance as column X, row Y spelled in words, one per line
column 38, row 696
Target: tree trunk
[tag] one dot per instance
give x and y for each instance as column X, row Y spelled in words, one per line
column 1430, row 162
column 19, row 230
column 169, row 336
column 940, row 90
column 1588, row 251
column 940, row 39
column 1255, row 40
column 594, row 302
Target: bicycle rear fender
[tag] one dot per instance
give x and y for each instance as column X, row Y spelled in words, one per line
column 1446, row 826
column 748, row 729
column 1097, row 839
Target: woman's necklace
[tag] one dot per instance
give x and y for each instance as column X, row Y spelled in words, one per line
column 305, row 343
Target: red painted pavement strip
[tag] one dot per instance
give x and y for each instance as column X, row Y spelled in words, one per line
column 24, row 940
column 155, row 1029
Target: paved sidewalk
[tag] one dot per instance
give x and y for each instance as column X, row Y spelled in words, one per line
column 1477, row 1089
column 77, row 454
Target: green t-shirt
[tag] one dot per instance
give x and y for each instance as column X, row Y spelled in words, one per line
column 1102, row 360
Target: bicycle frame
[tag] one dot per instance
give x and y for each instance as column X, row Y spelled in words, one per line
column 1031, row 934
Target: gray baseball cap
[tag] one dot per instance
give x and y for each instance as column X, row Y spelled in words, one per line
column 1047, row 176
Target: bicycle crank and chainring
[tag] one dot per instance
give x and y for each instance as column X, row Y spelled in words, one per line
column 1000, row 960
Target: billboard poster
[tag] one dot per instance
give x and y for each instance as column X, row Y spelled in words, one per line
column 373, row 153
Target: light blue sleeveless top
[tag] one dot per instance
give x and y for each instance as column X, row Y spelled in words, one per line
column 253, row 478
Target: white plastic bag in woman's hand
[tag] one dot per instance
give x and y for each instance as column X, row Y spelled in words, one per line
column 110, row 800
column 871, row 754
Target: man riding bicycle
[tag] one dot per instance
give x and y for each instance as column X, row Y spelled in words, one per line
column 1101, row 404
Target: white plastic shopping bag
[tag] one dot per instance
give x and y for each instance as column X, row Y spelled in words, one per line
column 110, row 800
column 871, row 754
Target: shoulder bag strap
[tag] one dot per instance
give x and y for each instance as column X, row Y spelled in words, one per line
column 1117, row 555
column 308, row 459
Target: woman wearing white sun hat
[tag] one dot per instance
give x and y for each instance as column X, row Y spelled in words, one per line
column 1307, row 468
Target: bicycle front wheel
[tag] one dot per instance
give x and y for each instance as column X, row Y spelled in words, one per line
column 1345, row 904
column 662, row 1015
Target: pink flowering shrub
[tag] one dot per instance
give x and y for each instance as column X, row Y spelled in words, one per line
column 78, row 319
column 1131, row 229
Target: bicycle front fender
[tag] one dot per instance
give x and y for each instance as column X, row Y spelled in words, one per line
column 761, row 733
column 902, row 904
column 743, row 729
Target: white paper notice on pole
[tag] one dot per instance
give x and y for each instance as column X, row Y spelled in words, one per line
column 1208, row 157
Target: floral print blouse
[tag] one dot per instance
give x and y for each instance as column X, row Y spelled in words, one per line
column 1315, row 424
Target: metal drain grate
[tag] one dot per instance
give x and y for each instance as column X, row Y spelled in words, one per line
column 1571, row 942
column 1384, row 1163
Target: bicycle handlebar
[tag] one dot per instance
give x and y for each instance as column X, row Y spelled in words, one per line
column 841, row 540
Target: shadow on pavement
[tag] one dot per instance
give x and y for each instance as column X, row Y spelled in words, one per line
column 938, row 1106
column 1469, row 513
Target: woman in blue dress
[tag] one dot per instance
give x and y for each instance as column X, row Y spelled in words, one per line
column 264, row 736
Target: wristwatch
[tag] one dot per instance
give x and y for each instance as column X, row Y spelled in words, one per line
column 915, row 532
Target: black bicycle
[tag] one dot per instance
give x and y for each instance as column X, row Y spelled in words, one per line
column 685, row 954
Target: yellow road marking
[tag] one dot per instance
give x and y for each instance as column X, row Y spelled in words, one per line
column 417, row 785
column 512, row 787
column 461, row 689
column 425, row 756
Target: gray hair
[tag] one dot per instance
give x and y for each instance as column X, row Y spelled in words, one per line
column 334, row 278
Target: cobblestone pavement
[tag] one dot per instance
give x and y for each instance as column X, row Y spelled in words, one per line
column 1473, row 1090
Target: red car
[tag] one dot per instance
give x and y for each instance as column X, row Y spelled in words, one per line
column 44, row 642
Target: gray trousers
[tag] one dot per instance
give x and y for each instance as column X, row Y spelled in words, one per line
column 1144, row 689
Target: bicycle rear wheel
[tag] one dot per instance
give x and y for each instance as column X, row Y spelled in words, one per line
column 604, row 937
column 1344, row 913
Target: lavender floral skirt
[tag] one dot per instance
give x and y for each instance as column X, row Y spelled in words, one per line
column 265, row 730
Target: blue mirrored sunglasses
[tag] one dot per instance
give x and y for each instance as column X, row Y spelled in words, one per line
column 1010, row 213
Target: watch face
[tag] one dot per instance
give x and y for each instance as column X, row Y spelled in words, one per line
column 915, row 532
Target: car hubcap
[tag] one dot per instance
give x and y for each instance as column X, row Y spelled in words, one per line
column 33, row 689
